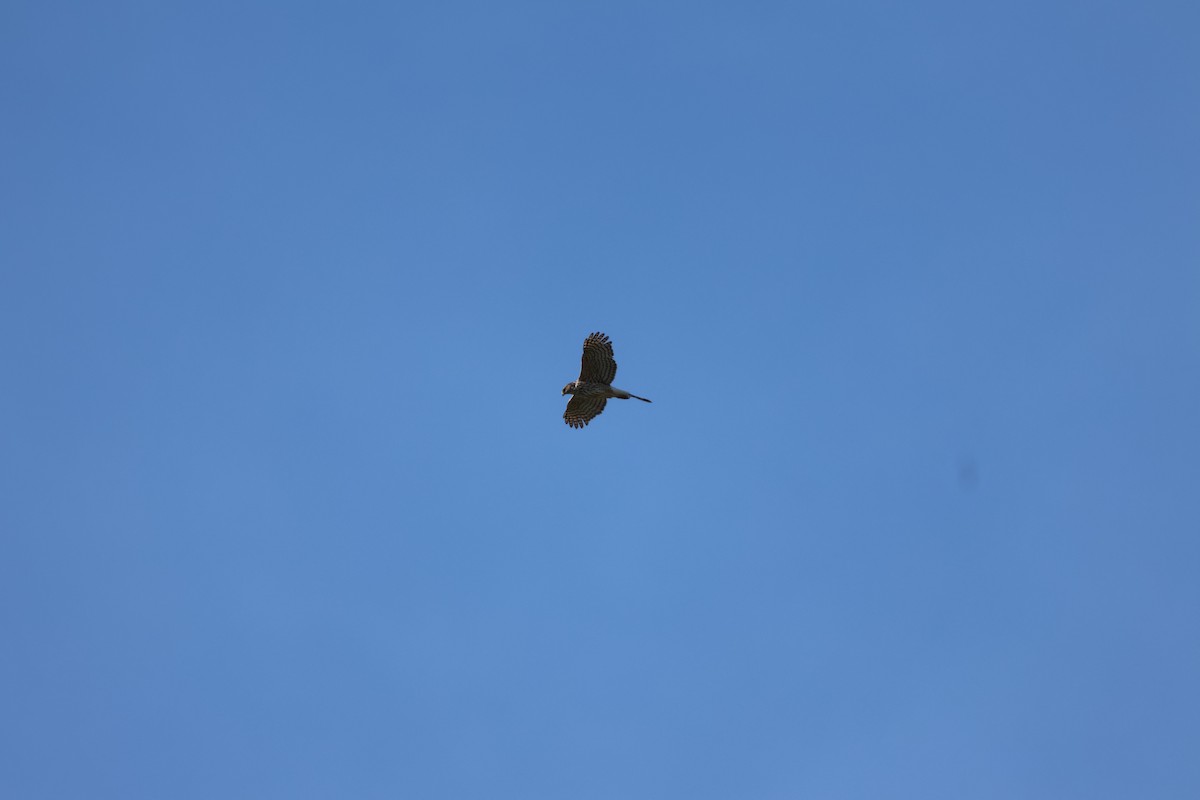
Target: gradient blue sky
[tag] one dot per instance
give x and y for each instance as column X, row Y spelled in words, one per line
column 287, row 297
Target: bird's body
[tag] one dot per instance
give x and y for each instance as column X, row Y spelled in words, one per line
column 593, row 389
column 581, row 389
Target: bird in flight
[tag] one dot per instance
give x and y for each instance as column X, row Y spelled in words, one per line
column 594, row 387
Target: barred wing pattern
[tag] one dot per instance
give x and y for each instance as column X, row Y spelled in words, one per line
column 583, row 409
column 599, row 366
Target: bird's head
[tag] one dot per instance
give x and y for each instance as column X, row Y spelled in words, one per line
column 569, row 388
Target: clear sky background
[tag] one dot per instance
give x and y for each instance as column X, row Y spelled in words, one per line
column 287, row 297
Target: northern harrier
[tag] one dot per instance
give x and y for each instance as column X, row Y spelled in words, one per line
column 594, row 386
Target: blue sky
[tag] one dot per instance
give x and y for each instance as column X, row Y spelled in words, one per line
column 287, row 296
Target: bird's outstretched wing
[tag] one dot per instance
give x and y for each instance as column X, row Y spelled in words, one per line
column 598, row 363
column 582, row 410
